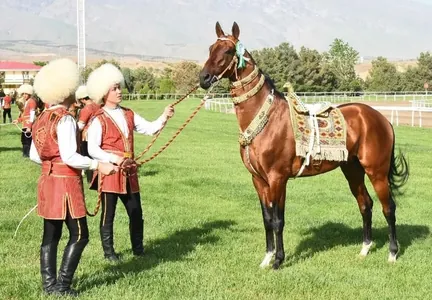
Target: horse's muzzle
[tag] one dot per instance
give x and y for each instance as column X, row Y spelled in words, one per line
column 206, row 80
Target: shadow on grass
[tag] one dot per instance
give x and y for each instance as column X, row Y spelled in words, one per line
column 175, row 247
column 331, row 235
column 10, row 149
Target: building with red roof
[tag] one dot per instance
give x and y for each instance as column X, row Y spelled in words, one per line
column 15, row 74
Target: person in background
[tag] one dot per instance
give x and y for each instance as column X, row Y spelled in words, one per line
column 6, row 105
column 27, row 117
column 89, row 108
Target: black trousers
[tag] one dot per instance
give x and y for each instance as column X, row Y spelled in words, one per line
column 132, row 203
column 7, row 112
column 26, row 140
column 78, row 230
column 84, row 152
column 78, row 239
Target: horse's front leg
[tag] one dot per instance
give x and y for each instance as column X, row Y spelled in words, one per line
column 278, row 194
column 262, row 189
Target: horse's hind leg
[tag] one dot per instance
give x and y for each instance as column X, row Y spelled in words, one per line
column 355, row 173
column 267, row 212
column 381, row 186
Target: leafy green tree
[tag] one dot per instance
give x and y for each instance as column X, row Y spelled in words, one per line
column 383, row 76
column 40, row 63
column 414, row 78
column 315, row 76
column 85, row 73
column 341, row 60
column 185, row 76
column 144, row 76
column 281, row 63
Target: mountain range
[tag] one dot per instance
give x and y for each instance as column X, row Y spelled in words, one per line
column 184, row 29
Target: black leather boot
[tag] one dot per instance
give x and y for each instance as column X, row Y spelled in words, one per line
column 137, row 235
column 25, row 151
column 107, row 239
column 48, row 267
column 71, row 258
column 89, row 175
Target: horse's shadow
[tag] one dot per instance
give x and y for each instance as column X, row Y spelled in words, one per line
column 331, row 235
column 175, row 247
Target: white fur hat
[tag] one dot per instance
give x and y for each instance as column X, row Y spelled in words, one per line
column 56, row 81
column 101, row 80
column 25, row 89
column 81, row 92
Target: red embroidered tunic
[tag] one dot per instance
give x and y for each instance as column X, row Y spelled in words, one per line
column 85, row 116
column 7, row 102
column 29, row 106
column 114, row 141
column 59, row 186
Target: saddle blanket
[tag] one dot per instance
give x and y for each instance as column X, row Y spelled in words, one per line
column 319, row 130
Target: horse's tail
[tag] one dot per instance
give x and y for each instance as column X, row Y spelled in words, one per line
column 398, row 172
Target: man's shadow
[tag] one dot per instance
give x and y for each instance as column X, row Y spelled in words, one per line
column 10, row 149
column 331, row 235
column 175, row 247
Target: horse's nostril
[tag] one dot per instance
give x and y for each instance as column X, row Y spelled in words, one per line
column 207, row 77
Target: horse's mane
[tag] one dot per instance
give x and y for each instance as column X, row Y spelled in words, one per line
column 270, row 81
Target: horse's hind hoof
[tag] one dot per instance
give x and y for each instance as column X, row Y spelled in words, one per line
column 277, row 265
column 392, row 258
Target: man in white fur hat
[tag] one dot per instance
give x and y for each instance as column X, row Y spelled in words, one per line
column 28, row 116
column 110, row 139
column 89, row 108
column 60, row 188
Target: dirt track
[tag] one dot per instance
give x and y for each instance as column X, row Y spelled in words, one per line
column 404, row 116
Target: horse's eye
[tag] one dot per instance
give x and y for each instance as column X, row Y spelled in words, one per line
column 230, row 52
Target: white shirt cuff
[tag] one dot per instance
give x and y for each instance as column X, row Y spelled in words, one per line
column 114, row 158
column 94, row 164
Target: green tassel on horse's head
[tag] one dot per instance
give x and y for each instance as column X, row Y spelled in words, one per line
column 240, row 51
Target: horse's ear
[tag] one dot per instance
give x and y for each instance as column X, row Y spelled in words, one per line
column 219, row 31
column 235, row 31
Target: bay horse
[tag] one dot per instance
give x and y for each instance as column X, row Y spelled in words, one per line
column 271, row 157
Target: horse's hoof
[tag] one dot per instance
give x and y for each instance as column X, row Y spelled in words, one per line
column 392, row 257
column 365, row 249
column 276, row 265
column 266, row 261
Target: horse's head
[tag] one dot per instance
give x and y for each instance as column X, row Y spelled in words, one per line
column 224, row 55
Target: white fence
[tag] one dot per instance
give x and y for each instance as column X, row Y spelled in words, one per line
column 416, row 107
column 334, row 97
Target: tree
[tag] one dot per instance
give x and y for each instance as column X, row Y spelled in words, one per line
column 315, row 75
column 143, row 76
column 104, row 61
column 128, row 79
column 40, row 63
column 85, row 73
column 185, row 76
column 280, row 63
column 166, row 85
column 341, row 60
column 415, row 76
column 383, row 76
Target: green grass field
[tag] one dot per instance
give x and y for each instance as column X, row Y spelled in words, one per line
column 204, row 236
